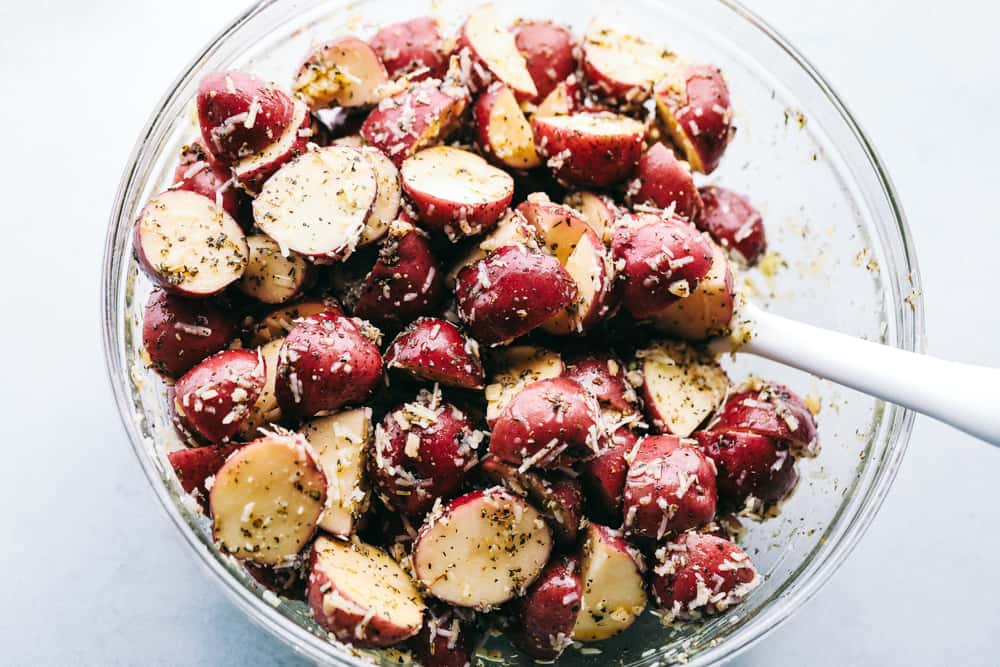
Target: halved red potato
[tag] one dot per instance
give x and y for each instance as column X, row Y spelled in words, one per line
column 663, row 181
column 603, row 375
column 455, row 191
column 483, row 549
column 361, row 595
column 421, row 115
column 770, row 409
column 340, row 443
column 600, row 211
column 265, row 412
column 547, row 48
column 195, row 465
column 216, row 396
column 581, row 252
column 604, row 481
column 512, row 229
column 708, row 311
column 241, row 115
column 693, row 102
column 697, row 575
column 548, row 424
column 660, row 260
column 198, row 171
column 411, row 48
column 189, row 246
column 279, row 322
column 177, row 332
column 734, row 223
column 589, row 149
column 502, row 130
column 267, row 499
column 270, row 276
column 326, row 362
column 435, row 350
column 449, row 638
column 493, row 53
column 681, row 386
column 346, row 72
column 620, row 66
column 257, row 167
column 614, row 593
column 514, row 369
column 544, row 618
column 565, row 98
column 318, row 204
column 511, row 292
column 670, row 488
column 749, row 464
column 389, row 198
column 423, row 451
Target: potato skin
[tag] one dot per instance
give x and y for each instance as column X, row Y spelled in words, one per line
column 216, row 396
column 696, row 100
column 325, row 363
column 772, row 410
column 749, row 464
column 412, row 45
column 439, row 650
column 603, row 375
column 661, row 180
column 178, row 333
column 587, row 160
column 604, row 481
column 547, row 48
column 734, row 223
column 199, row 172
column 544, row 618
column 436, row 350
column 196, row 464
column 278, row 322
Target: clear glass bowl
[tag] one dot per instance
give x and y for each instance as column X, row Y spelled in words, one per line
column 847, row 263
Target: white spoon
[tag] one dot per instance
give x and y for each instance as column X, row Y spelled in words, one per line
column 965, row 396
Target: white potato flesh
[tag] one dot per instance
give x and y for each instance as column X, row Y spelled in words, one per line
column 599, row 124
column 390, row 195
column 709, row 309
column 681, row 385
column 519, row 366
column 595, row 210
column 341, row 442
column 482, row 550
column 625, row 59
column 487, row 35
column 265, row 410
column 318, row 204
column 257, row 162
column 455, row 176
column 509, row 133
column 270, row 276
column 190, row 243
column 613, row 591
column 267, row 499
column 346, row 73
column 511, row 230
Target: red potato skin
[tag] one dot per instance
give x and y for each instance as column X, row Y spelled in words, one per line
column 430, row 103
column 703, row 113
column 226, row 372
column 749, row 464
column 171, row 331
column 526, row 288
column 408, row 46
column 547, row 48
column 594, row 161
column 436, row 350
column 541, row 616
column 454, row 219
column 557, row 409
column 701, row 556
column 661, row 180
column 728, row 215
column 218, row 101
column 437, row 650
column 278, row 322
column 653, row 474
column 198, row 172
column 481, row 112
column 639, row 250
column 786, row 405
column 593, row 372
column 332, row 362
column 604, row 480
column 253, row 179
column 195, row 465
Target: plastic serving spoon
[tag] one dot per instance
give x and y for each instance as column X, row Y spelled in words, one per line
column 964, row 396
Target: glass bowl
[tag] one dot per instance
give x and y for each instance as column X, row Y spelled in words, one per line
column 844, row 260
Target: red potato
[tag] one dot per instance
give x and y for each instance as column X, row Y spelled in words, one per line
column 670, row 488
column 544, row 618
column 749, row 465
column 267, row 499
column 214, row 398
column 515, row 368
column 693, row 102
column 189, row 246
column 604, row 481
column 177, row 332
column 772, row 410
column 512, row 229
column 663, row 181
column 199, row 172
column 361, row 595
column 734, row 223
column 241, row 115
column 547, row 48
column 565, row 98
column 265, row 412
column 340, row 443
column 447, row 640
column 423, row 451
column 698, row 575
column 327, row 361
column 622, row 67
column 345, row 72
column 412, row 48
column 419, row 116
column 405, row 281
column 511, row 292
column 681, row 386
column 581, row 252
column 389, row 198
column 436, row 350
column 254, row 169
column 589, row 149
column 614, row 594
column 194, row 466
column 270, row 276
column 503, row 132
column 603, row 375
column 549, row 424
column 455, row 191
column 600, row 211
column 280, row 321
column 483, row 549
column 492, row 53
column 660, row 260
column 318, row 204
column 709, row 311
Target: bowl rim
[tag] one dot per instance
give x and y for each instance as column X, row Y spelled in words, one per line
column 899, row 424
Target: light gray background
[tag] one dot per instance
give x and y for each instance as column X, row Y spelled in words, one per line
column 92, row 570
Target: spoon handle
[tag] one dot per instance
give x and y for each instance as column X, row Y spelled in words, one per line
column 963, row 395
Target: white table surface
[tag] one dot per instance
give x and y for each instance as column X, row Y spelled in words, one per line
column 93, row 573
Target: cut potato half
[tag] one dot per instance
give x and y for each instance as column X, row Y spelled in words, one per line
column 493, row 47
column 681, row 385
column 346, row 72
column 613, row 591
column 708, row 311
column 387, row 202
column 270, row 276
column 265, row 410
column 341, row 443
column 503, row 130
column 621, row 65
column 517, row 367
column 254, row 169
